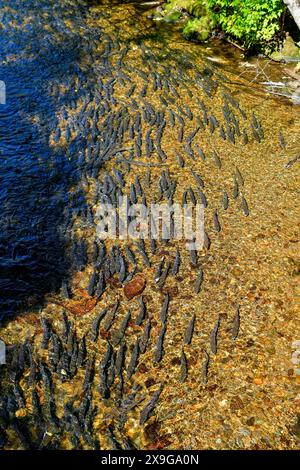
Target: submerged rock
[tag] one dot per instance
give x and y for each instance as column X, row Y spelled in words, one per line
column 134, row 287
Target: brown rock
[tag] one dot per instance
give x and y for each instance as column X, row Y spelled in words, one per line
column 173, row 291
column 159, row 443
column 152, row 431
column 250, row 421
column 134, row 287
column 149, row 383
column 21, row 413
column 114, row 283
column 142, row 368
column 258, row 381
column 236, row 404
column 80, row 307
column 176, row 361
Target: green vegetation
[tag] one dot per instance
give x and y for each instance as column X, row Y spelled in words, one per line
column 256, row 24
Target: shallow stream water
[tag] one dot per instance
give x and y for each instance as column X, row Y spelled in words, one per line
column 101, row 102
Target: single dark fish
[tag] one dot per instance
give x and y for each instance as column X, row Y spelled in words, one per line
column 192, row 196
column 122, row 269
column 244, row 206
column 200, row 152
column 84, row 407
column 281, row 140
column 183, row 367
column 138, row 187
column 245, row 137
column 214, row 337
column 96, row 324
column 199, row 281
column 130, row 255
column 176, row 265
column 46, row 377
column 236, row 324
column 55, row 351
column 256, row 126
column 82, row 352
column 206, row 241
column 36, row 404
column 141, row 250
column 111, row 372
column 222, row 133
column 192, row 134
column 188, row 112
column 147, row 410
column 23, row 352
column 292, row 162
column 131, row 90
column 100, row 286
column 63, row 367
column 180, row 160
column 114, row 443
column 239, row 177
column 153, row 245
column 119, row 335
column 171, row 117
column 46, row 325
column 142, row 313
column 111, row 317
column 190, row 330
column 193, row 257
column 198, row 178
column 205, row 366
column 57, row 135
column 162, row 99
column 133, row 360
column 159, row 352
column 33, row 373
column 119, row 177
column 144, row 340
column 180, row 134
column 216, row 222
column 235, row 191
column 255, row 134
column 92, row 284
column 230, row 133
column 184, row 199
column 105, row 363
column 202, row 197
column 217, row 159
column 120, row 358
column 161, row 281
column 65, row 290
column 165, row 309
column 89, row 373
column 143, row 91
column 73, row 359
column 71, row 338
column 19, row 396
column 188, row 149
column 159, row 269
column 133, row 197
column 225, row 200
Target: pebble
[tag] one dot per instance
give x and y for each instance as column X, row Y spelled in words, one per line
column 134, row 287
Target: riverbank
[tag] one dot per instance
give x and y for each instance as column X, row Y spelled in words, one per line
column 283, row 80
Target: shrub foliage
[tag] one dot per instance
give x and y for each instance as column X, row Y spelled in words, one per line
column 255, row 23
